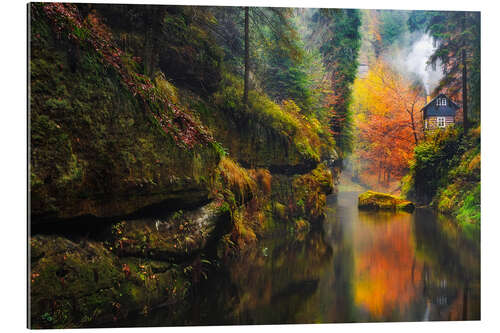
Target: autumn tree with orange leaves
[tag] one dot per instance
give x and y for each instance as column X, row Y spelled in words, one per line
column 387, row 115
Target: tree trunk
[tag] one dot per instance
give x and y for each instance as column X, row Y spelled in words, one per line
column 414, row 128
column 423, row 123
column 464, row 80
column 148, row 42
column 379, row 172
column 247, row 59
column 464, row 92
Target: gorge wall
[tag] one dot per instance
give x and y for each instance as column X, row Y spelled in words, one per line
column 145, row 167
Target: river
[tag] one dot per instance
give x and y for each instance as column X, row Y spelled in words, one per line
column 354, row 267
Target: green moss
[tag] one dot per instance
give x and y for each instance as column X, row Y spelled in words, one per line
column 98, row 149
column 446, row 174
column 263, row 129
column 464, row 202
column 91, row 139
column 309, row 192
column 63, row 273
column 371, row 200
column 79, row 284
column 470, row 210
column 302, row 196
column 58, row 103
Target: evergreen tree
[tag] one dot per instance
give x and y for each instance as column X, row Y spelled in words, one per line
column 457, row 36
column 340, row 45
column 266, row 34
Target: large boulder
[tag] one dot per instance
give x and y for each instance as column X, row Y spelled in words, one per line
column 371, row 200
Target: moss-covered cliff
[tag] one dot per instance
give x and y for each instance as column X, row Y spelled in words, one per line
column 141, row 177
column 96, row 149
column 446, row 174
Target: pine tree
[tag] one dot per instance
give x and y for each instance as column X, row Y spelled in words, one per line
column 341, row 41
column 457, row 36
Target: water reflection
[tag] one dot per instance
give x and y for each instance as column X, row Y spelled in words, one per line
column 387, row 274
column 451, row 284
column 274, row 283
column 358, row 267
column 410, row 267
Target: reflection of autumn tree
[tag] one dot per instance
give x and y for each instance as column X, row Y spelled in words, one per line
column 386, row 271
column 387, row 108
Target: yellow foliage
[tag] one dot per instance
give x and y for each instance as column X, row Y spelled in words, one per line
column 263, row 178
column 253, row 187
column 386, row 108
column 475, row 163
column 475, row 132
column 166, row 88
column 301, row 225
column 236, row 176
column 290, row 106
column 242, row 233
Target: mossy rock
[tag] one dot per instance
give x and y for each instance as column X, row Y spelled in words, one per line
column 176, row 236
column 71, row 283
column 371, row 200
column 83, row 283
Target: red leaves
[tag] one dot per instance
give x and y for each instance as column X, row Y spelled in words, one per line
column 34, row 276
column 126, row 270
column 63, row 14
column 387, row 121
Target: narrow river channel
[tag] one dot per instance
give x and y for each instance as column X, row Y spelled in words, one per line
column 355, row 267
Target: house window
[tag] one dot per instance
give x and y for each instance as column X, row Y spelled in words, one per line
column 441, row 122
column 441, row 102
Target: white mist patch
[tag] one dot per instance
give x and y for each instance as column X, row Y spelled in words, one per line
column 416, row 62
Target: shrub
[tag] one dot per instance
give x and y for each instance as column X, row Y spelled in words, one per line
column 446, row 173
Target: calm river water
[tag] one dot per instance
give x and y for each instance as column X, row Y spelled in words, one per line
column 355, row 267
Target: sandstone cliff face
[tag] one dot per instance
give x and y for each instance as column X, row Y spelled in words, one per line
column 95, row 149
column 132, row 199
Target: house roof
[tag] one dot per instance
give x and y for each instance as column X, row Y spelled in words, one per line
column 432, row 109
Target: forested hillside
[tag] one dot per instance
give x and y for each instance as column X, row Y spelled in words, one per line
column 409, row 58
column 446, row 169
column 226, row 124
